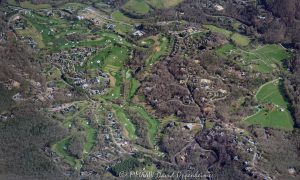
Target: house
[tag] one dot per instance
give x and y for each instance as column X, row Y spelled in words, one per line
column 110, row 26
column 218, row 7
column 139, row 33
column 189, row 126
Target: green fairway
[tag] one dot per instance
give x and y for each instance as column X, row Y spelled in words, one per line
column 159, row 50
column 153, row 123
column 116, row 91
column 275, row 111
column 137, row 7
column 240, row 40
column 62, row 149
column 135, row 84
column 127, row 124
column 111, row 59
column 91, row 137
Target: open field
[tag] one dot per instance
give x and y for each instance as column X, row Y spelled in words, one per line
column 274, row 112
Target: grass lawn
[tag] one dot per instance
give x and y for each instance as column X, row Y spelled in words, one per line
column 62, row 149
column 127, row 124
column 278, row 116
column 240, row 40
column 137, row 7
